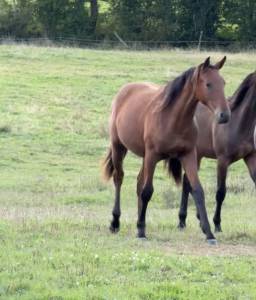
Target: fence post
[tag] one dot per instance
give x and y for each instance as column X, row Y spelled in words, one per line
column 200, row 40
column 120, row 39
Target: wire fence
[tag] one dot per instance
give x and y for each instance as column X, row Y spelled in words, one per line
column 232, row 46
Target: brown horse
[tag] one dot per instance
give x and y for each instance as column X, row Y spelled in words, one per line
column 156, row 123
column 227, row 143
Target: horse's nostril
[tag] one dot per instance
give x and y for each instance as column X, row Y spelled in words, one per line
column 223, row 117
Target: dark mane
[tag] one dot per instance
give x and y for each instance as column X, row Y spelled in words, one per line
column 173, row 89
column 242, row 90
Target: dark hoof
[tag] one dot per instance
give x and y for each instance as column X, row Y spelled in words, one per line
column 212, row 242
column 141, row 233
column 113, row 229
column 218, row 228
column 114, row 226
column 142, row 238
column 181, row 226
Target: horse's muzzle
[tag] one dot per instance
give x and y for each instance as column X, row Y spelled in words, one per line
column 223, row 117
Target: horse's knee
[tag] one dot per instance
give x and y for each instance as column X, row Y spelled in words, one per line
column 147, row 193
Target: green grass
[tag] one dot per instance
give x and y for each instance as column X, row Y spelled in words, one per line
column 55, row 209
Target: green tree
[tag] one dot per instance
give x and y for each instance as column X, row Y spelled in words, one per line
column 198, row 16
column 240, row 15
column 94, row 12
column 18, row 19
column 145, row 19
column 63, row 18
column 165, row 19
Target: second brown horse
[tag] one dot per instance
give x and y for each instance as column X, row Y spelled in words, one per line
column 227, row 143
column 156, row 123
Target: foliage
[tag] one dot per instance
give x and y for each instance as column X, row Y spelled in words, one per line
column 47, row 18
column 241, row 13
column 18, row 19
column 63, row 18
column 199, row 16
column 145, row 20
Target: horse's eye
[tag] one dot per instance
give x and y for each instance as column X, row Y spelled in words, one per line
column 209, row 85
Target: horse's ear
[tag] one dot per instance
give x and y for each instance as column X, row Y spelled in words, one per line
column 206, row 63
column 220, row 64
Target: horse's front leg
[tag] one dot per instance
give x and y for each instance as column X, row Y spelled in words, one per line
column 189, row 163
column 186, row 189
column 250, row 161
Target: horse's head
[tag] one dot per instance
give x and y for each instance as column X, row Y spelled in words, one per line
column 209, row 89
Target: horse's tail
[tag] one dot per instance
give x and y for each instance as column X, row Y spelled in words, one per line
column 173, row 166
column 108, row 167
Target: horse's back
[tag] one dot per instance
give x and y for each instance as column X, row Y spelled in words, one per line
column 132, row 92
column 133, row 99
column 131, row 106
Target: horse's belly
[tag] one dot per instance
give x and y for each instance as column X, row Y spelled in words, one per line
column 176, row 148
column 206, row 152
column 139, row 150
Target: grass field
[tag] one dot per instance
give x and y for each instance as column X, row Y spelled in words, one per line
column 55, row 209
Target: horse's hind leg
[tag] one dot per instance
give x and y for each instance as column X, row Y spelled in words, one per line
column 145, row 190
column 186, row 189
column 221, row 192
column 139, row 188
column 118, row 154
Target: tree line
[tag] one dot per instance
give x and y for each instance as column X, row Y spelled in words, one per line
column 133, row 20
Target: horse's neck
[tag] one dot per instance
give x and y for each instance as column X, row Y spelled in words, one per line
column 244, row 117
column 184, row 109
